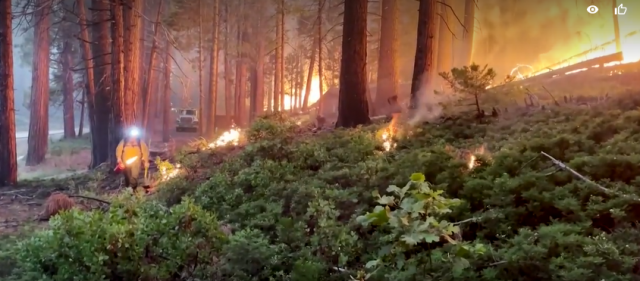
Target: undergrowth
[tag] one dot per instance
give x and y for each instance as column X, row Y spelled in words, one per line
column 338, row 207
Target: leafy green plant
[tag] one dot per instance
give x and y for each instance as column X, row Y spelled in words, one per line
column 412, row 215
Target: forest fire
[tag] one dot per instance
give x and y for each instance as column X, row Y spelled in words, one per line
column 230, row 137
column 169, row 174
column 629, row 47
column 472, row 160
column 388, row 133
column 314, row 95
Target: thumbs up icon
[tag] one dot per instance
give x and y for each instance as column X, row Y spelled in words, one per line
column 620, row 10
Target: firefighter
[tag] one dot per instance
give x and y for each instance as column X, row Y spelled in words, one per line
column 132, row 154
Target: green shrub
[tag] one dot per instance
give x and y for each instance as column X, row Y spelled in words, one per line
column 134, row 240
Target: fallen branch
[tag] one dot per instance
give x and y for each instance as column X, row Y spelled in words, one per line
column 572, row 171
column 90, row 198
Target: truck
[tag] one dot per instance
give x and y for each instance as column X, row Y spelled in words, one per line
column 187, row 120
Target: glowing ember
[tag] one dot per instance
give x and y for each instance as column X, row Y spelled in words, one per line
column 472, row 161
column 166, row 175
column 131, row 160
column 388, row 133
column 231, row 137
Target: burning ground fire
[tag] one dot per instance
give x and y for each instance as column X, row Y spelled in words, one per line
column 230, row 137
column 388, row 133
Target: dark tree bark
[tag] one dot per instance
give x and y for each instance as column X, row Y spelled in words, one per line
column 131, row 64
column 68, row 89
column 166, row 97
column 39, row 105
column 213, row 74
column 307, row 88
column 151, row 73
column 320, row 68
column 118, row 110
column 424, row 49
column 83, row 105
column 259, row 80
column 98, row 59
column 281, row 44
column 469, row 23
column 387, row 84
column 201, row 103
column 8, row 157
column 228, row 94
column 278, row 75
column 353, row 109
column 445, row 39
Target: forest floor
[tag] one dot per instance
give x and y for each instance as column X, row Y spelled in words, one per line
column 64, row 169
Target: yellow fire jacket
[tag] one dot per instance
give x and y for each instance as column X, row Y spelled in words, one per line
column 130, row 149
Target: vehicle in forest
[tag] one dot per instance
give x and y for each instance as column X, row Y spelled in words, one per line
column 187, row 120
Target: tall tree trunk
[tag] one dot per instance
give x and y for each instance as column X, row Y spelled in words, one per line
column 166, row 97
column 387, row 65
column 201, row 121
column 445, row 40
column 422, row 66
column 213, row 73
column 469, row 23
column 307, row 88
column 242, row 92
column 433, row 74
column 228, row 95
column 278, row 75
column 320, row 77
column 39, row 105
column 8, row 157
column 98, row 65
column 281, row 50
column 83, row 104
column 68, row 89
column 151, row 73
column 131, row 42
column 353, row 109
column 118, row 104
column 259, row 79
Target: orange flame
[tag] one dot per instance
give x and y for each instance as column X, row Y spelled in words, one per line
column 388, row 133
column 230, row 137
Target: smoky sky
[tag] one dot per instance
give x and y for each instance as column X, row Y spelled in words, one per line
column 542, row 32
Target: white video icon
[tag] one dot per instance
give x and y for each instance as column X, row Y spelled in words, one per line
column 620, row 10
column 593, row 9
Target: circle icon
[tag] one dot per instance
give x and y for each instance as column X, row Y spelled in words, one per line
column 592, row 9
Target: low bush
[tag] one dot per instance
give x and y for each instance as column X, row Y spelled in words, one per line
column 336, row 206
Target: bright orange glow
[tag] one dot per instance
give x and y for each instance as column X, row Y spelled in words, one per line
column 314, row 96
column 592, row 35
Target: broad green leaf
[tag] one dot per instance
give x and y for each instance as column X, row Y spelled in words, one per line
column 417, row 177
column 375, row 194
column 407, row 204
column 459, row 265
column 463, row 251
column 430, row 237
column 386, row 200
column 394, row 189
column 372, row 263
column 410, row 239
